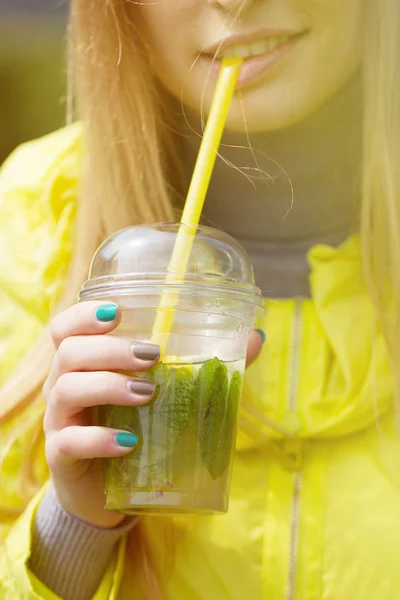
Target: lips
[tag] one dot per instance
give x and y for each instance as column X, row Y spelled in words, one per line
column 259, row 54
column 248, row 45
column 257, row 48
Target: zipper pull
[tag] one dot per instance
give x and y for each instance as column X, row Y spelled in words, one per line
column 291, row 423
column 292, row 445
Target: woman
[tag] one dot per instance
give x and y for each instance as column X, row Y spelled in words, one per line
column 313, row 136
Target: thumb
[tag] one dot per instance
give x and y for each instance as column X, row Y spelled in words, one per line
column 257, row 339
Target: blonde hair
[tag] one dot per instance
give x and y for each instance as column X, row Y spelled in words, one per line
column 131, row 151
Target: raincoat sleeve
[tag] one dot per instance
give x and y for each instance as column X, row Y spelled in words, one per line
column 17, row 582
column 38, row 191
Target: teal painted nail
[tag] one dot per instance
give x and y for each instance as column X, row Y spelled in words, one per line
column 262, row 334
column 127, row 440
column 106, row 313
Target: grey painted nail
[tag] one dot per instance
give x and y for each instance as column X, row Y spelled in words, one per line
column 143, row 387
column 146, row 351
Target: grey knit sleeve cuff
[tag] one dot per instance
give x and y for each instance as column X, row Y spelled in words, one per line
column 68, row 555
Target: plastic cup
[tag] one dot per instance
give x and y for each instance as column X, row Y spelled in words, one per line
column 183, row 461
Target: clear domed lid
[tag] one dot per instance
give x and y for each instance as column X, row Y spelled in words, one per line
column 143, row 253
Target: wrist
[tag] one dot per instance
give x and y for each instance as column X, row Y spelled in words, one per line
column 89, row 513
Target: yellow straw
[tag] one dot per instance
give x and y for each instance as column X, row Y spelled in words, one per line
column 196, row 195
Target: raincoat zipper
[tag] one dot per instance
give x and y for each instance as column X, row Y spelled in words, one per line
column 297, row 476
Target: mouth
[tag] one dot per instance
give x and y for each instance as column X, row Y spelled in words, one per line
column 259, row 54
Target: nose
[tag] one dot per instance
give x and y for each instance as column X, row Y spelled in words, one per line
column 230, row 5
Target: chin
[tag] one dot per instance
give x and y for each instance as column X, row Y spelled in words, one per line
column 261, row 118
column 265, row 107
column 275, row 107
column 257, row 122
column 268, row 108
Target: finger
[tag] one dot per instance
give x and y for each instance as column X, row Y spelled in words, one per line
column 73, row 392
column 79, row 443
column 256, row 342
column 85, row 318
column 102, row 353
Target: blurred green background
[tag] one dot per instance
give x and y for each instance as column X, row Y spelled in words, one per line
column 32, row 70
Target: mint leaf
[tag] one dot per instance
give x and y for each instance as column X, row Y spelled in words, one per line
column 219, row 429
column 166, row 418
column 171, row 410
column 228, row 430
column 122, row 471
column 160, row 375
column 235, row 391
column 159, row 426
column 215, row 417
column 211, row 379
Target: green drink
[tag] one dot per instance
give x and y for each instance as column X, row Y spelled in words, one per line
column 186, row 441
column 182, row 463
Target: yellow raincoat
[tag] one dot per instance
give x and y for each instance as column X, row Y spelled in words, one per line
column 313, row 516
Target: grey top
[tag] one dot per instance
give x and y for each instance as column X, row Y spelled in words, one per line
column 69, row 555
column 321, row 158
column 39, row 6
column 304, row 190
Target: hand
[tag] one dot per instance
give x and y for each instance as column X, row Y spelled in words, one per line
column 81, row 377
column 256, row 342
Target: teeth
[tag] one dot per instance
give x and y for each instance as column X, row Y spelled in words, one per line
column 259, row 47
column 239, row 51
column 271, row 44
column 242, row 51
column 255, row 49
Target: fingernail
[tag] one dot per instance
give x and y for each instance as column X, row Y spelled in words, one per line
column 143, row 387
column 146, row 351
column 262, row 335
column 106, row 313
column 127, row 440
